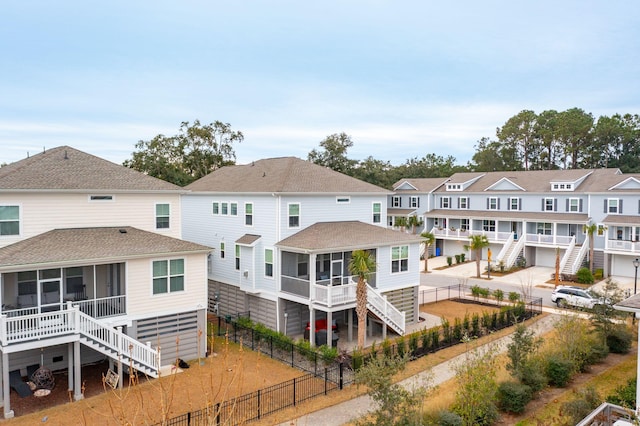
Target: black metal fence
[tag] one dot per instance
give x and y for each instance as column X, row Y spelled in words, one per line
column 256, row 405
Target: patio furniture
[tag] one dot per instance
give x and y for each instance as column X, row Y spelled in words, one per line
column 16, row 382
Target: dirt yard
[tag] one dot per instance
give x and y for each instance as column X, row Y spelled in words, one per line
column 450, row 309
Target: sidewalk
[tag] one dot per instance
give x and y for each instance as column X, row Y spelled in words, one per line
column 353, row 409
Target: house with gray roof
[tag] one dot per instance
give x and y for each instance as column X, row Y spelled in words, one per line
column 283, row 230
column 527, row 215
column 92, row 267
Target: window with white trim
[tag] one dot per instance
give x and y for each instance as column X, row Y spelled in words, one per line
column 574, row 205
column 549, row 204
column 9, row 220
column 544, row 228
column 377, row 207
column 294, row 215
column 396, row 201
column 168, row 276
column 224, row 209
column 343, row 200
column 399, row 259
column 492, row 203
column 268, row 262
column 463, row 203
column 237, row 257
column 248, row 214
column 514, row 203
column 221, row 249
column 613, row 206
column 489, row 225
column 215, row 208
column 464, row 224
column 414, row 202
column 162, row 216
column 445, row 202
column 234, row 209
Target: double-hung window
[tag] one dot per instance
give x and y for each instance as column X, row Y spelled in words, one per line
column 237, row 257
column 168, row 276
column 573, row 205
column 613, row 205
column 463, row 203
column 162, row 216
column 294, row 215
column 221, row 249
column 399, row 259
column 514, row 203
column 396, row 201
column 376, row 212
column 414, row 202
column 9, row 220
column 489, row 225
column 493, row 203
column 548, row 204
column 268, row 262
column 234, row 209
column 248, row 214
column 544, row 228
column 445, row 202
column 215, row 208
column 224, row 209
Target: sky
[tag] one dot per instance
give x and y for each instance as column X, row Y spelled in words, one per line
column 403, row 78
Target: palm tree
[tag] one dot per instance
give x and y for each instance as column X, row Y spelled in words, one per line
column 361, row 264
column 401, row 222
column 476, row 244
column 428, row 239
column 414, row 221
column 590, row 230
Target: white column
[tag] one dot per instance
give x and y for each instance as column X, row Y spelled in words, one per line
column 329, row 328
column 312, row 326
column 77, row 385
column 8, row 412
column 555, row 232
column 350, row 325
column 70, row 367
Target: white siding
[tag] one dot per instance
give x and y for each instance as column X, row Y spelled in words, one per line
column 42, row 212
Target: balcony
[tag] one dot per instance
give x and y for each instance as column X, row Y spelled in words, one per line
column 625, row 246
column 548, row 240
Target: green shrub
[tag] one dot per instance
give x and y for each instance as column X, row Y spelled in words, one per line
column 619, row 340
column 446, row 330
column 484, row 292
column 448, row 418
column 466, row 324
column 513, row 397
column 494, row 321
column 584, row 276
column 475, row 291
column 457, row 256
column 328, row 353
column 462, row 257
column 425, row 339
column 625, row 395
column 559, row 371
column 533, row 375
column 475, row 325
column 386, row 348
column 514, row 296
column 435, row 338
column 401, row 346
column 457, row 330
column 576, row 410
column 413, row 344
column 357, row 359
column 449, row 260
column 598, row 274
column 498, row 294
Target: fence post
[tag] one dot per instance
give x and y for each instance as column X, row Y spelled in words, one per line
column 294, row 391
column 216, row 414
column 341, row 377
column 253, row 339
column 326, row 378
column 291, row 345
column 259, row 404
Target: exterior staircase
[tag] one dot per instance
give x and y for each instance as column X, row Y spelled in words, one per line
column 513, row 252
column 573, row 258
column 389, row 314
column 71, row 325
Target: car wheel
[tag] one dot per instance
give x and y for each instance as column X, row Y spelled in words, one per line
column 562, row 303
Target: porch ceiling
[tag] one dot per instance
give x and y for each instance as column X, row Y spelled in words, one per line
column 61, row 246
column 345, row 236
column 618, row 219
column 511, row 215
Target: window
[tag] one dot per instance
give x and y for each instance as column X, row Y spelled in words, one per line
column 101, row 198
column 74, row 281
column 224, row 209
column 215, row 208
column 613, row 205
column 222, row 250
column 489, row 225
column 248, row 214
column 464, row 224
column 445, row 202
column 9, row 220
column 343, row 200
column 396, row 201
column 493, row 203
column 162, row 216
column 390, row 220
column 514, row 203
column 268, row 263
column 573, row 205
column 294, row 215
column 549, row 204
column 454, row 187
column 601, row 229
column 168, row 276
column 376, row 212
column 27, row 283
column 414, row 202
column 399, row 259
column 463, row 203
column 234, row 209
column 237, row 257
column 543, row 228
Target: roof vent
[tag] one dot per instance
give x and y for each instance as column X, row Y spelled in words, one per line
column 123, row 231
column 66, row 157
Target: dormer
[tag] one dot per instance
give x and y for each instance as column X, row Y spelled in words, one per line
column 405, row 186
column 458, row 186
column 629, row 183
column 505, row 184
column 567, row 185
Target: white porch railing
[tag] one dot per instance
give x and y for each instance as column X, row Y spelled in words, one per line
column 16, row 329
column 450, row 233
column 621, row 245
column 331, row 295
column 555, row 240
column 104, row 307
column 580, row 257
column 567, row 254
column 517, row 249
column 379, row 305
column 505, row 248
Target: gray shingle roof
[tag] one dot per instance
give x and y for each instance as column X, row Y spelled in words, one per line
column 616, row 219
column 66, row 168
column 347, row 235
column 92, row 244
column 281, row 175
column 632, row 304
column 511, row 214
column 248, row 239
column 422, row 185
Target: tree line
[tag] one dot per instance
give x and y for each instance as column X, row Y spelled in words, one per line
column 571, row 139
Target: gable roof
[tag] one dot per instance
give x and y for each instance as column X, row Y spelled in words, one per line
column 66, row 168
column 420, row 184
column 281, row 175
column 81, row 245
column 345, row 236
column 504, row 184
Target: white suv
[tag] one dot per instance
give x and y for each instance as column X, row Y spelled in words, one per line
column 565, row 296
